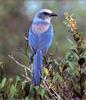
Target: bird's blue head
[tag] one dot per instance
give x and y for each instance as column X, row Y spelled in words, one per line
column 44, row 15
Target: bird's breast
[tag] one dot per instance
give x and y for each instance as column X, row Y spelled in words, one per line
column 39, row 28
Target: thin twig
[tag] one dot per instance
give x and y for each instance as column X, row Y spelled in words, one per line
column 23, row 66
column 26, row 72
column 57, row 96
column 26, row 77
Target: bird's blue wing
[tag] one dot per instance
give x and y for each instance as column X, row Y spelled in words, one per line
column 33, row 40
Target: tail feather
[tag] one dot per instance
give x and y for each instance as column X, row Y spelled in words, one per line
column 37, row 67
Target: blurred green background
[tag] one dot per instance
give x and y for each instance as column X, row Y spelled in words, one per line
column 15, row 19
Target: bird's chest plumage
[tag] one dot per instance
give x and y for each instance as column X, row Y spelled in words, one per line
column 40, row 36
column 39, row 28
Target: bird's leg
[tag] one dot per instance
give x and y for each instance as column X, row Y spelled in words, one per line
column 31, row 58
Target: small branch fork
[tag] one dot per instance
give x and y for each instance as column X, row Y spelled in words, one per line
column 44, row 85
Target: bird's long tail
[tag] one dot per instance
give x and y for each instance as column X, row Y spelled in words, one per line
column 37, row 68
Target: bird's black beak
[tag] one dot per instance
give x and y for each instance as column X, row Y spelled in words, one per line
column 53, row 14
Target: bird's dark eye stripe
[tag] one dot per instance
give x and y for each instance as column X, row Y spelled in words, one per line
column 45, row 13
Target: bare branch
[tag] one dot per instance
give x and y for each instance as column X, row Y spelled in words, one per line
column 57, row 96
column 27, row 78
column 23, row 66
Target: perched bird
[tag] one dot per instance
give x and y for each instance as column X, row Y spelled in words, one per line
column 40, row 37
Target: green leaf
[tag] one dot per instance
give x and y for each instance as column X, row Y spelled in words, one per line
column 57, row 77
column 72, row 69
column 17, row 78
column 12, row 91
column 42, row 93
column 45, row 71
column 2, row 84
column 36, row 87
column 26, row 98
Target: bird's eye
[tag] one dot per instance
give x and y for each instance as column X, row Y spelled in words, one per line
column 45, row 13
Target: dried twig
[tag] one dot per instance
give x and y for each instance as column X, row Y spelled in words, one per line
column 27, row 78
column 54, row 94
column 26, row 72
column 23, row 66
